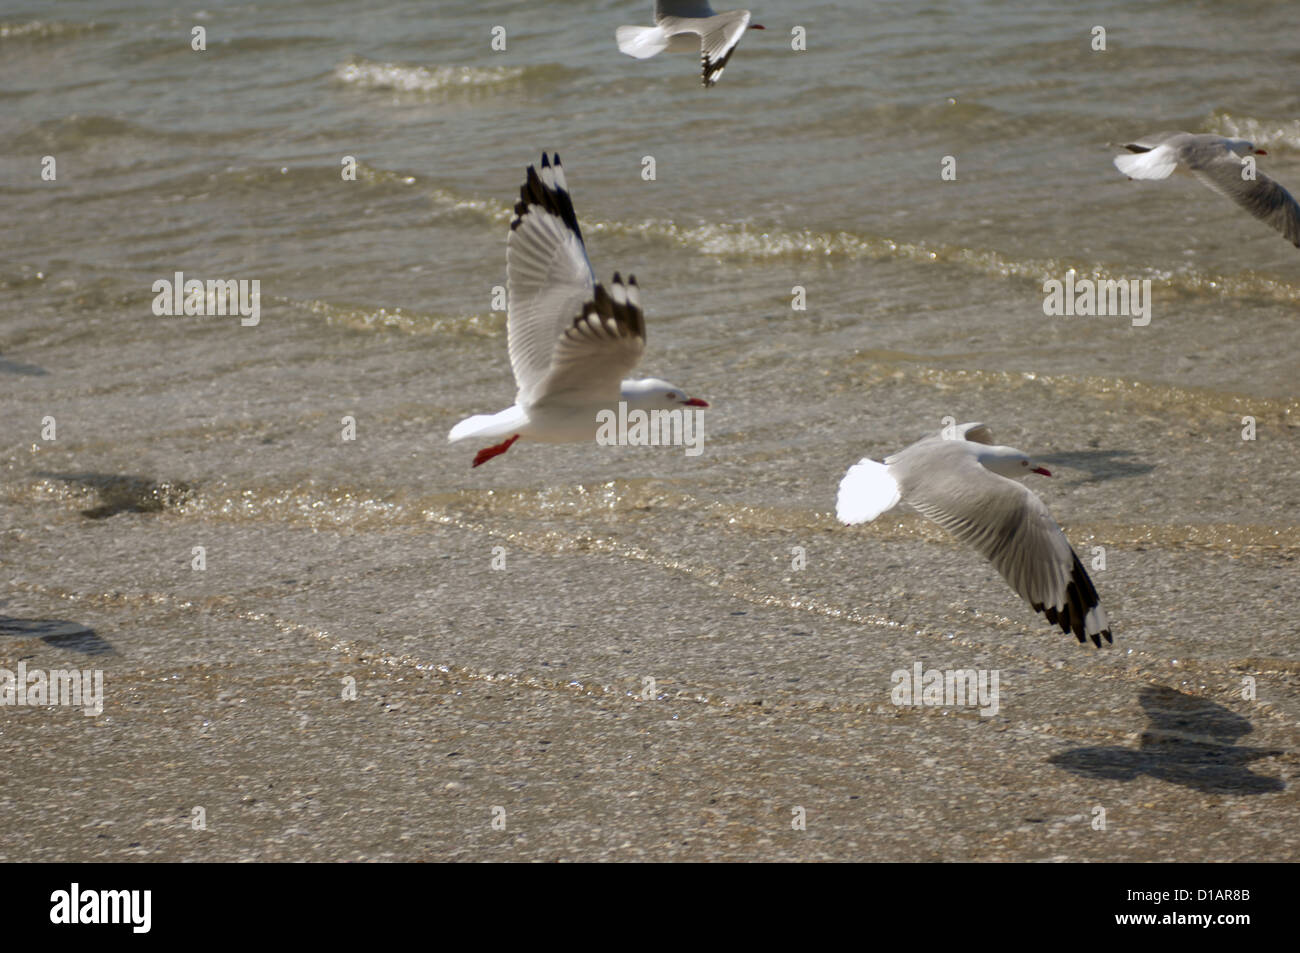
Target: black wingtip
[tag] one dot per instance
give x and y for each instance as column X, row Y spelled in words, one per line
column 554, row 199
column 1080, row 599
column 626, row 314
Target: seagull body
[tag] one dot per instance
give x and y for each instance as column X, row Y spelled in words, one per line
column 969, row 487
column 688, row 26
column 570, row 340
column 1219, row 163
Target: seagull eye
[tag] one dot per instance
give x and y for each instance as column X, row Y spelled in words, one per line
column 1024, row 463
column 672, row 396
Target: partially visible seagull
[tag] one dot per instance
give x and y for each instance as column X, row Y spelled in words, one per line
column 684, row 26
column 570, row 340
column 1219, row 163
column 968, row 486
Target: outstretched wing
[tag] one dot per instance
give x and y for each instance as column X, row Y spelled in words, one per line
column 548, row 275
column 1260, row 196
column 689, row 9
column 718, row 34
column 718, row 40
column 598, row 349
column 974, row 432
column 1012, row 528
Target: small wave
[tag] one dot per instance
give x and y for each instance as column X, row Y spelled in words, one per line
column 75, row 132
column 422, row 79
column 362, row 318
column 46, row 30
column 1264, row 133
column 491, row 209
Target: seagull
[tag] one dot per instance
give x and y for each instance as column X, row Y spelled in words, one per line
column 1220, row 163
column 684, row 26
column 968, row 486
column 571, row 340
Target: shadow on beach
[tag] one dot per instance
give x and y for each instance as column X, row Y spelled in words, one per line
column 1188, row 742
column 124, row 494
column 59, row 633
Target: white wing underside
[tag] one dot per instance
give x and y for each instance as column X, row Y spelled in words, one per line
column 1010, row 526
column 570, row 341
column 597, row 350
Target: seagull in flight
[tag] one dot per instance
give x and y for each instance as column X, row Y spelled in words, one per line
column 571, row 340
column 685, row 26
column 1219, row 163
column 970, row 487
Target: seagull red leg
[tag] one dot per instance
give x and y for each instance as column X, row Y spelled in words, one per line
column 487, row 453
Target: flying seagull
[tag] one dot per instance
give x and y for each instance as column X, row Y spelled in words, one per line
column 571, row 340
column 685, row 26
column 1219, row 163
column 969, row 487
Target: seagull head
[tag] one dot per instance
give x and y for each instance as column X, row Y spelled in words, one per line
column 655, row 394
column 1244, row 147
column 1010, row 462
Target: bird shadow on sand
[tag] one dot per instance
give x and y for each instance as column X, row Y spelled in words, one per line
column 117, row 493
column 1098, row 464
column 59, row 633
column 1189, row 741
column 18, row 367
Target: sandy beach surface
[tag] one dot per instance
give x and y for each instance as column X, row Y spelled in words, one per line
column 582, row 653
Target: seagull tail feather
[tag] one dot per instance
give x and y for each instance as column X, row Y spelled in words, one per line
column 866, row 491
column 641, row 41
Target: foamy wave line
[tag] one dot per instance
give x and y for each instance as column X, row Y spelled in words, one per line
column 488, row 208
column 422, row 79
column 43, row 30
column 725, row 240
column 1259, row 131
column 362, row 318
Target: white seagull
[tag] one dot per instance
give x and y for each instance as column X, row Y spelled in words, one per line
column 570, row 340
column 685, row 26
column 1219, row 163
column 968, row 486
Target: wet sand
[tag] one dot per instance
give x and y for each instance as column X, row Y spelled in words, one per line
column 521, row 688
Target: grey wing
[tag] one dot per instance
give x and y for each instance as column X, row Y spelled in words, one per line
column 974, row 432
column 687, row 9
column 1260, row 196
column 1012, row 528
column 598, row 349
column 548, row 275
column 718, row 40
column 1147, row 143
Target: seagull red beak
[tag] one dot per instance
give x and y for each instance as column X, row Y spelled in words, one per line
column 1260, row 152
column 695, row 402
column 757, row 26
column 1043, row 470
